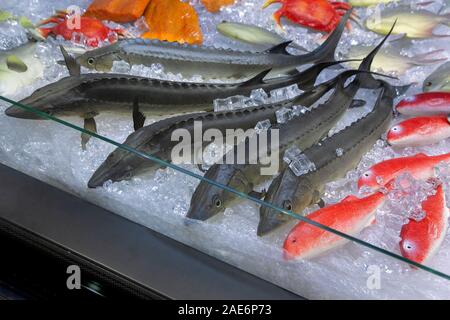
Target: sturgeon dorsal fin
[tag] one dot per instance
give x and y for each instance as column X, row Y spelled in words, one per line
column 421, row 155
column 258, row 79
column 280, row 48
column 71, row 64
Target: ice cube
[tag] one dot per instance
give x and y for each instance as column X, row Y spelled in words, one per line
column 231, row 103
column 262, row 126
column 284, row 115
column 259, row 96
column 339, row 152
column 301, row 165
column 291, row 154
column 299, row 110
column 285, row 93
column 138, row 28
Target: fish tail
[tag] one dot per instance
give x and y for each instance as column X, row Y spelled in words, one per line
column 327, row 50
column 366, row 79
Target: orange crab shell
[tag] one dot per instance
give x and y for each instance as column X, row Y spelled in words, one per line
column 320, row 15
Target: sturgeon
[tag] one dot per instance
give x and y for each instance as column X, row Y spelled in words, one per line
column 156, row 139
column 87, row 95
column 209, row 62
column 295, row 193
column 303, row 131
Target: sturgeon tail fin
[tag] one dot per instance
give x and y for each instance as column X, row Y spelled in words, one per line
column 326, row 51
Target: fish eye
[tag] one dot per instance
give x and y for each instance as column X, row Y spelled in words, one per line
column 287, row 205
column 429, row 84
column 408, row 246
column 90, row 61
column 217, row 202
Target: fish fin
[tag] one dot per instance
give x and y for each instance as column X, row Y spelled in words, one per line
column 369, row 81
column 257, row 194
column 90, row 125
column 326, row 51
column 421, row 154
column 72, row 65
column 258, row 79
column 280, row 48
column 397, row 37
column 350, row 198
column 14, row 63
column 138, row 116
column 357, row 103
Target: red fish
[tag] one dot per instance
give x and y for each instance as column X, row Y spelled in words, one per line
column 350, row 216
column 428, row 103
column 420, row 240
column 419, row 166
column 419, row 131
column 321, row 15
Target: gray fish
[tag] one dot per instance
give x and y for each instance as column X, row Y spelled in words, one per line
column 155, row 139
column 86, row 95
column 303, row 131
column 209, row 62
column 295, row 193
column 439, row 80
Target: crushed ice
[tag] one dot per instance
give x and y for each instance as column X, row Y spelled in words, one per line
column 160, row 200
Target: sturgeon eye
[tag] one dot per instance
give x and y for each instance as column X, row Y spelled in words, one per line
column 217, row 202
column 287, row 205
column 90, row 61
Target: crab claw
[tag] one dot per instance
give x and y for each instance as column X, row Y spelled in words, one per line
column 269, row 2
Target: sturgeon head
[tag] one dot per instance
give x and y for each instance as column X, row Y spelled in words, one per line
column 61, row 97
column 122, row 164
column 55, row 98
column 209, row 200
column 287, row 192
column 100, row 59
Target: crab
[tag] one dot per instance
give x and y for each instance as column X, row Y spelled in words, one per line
column 90, row 31
column 320, row 15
